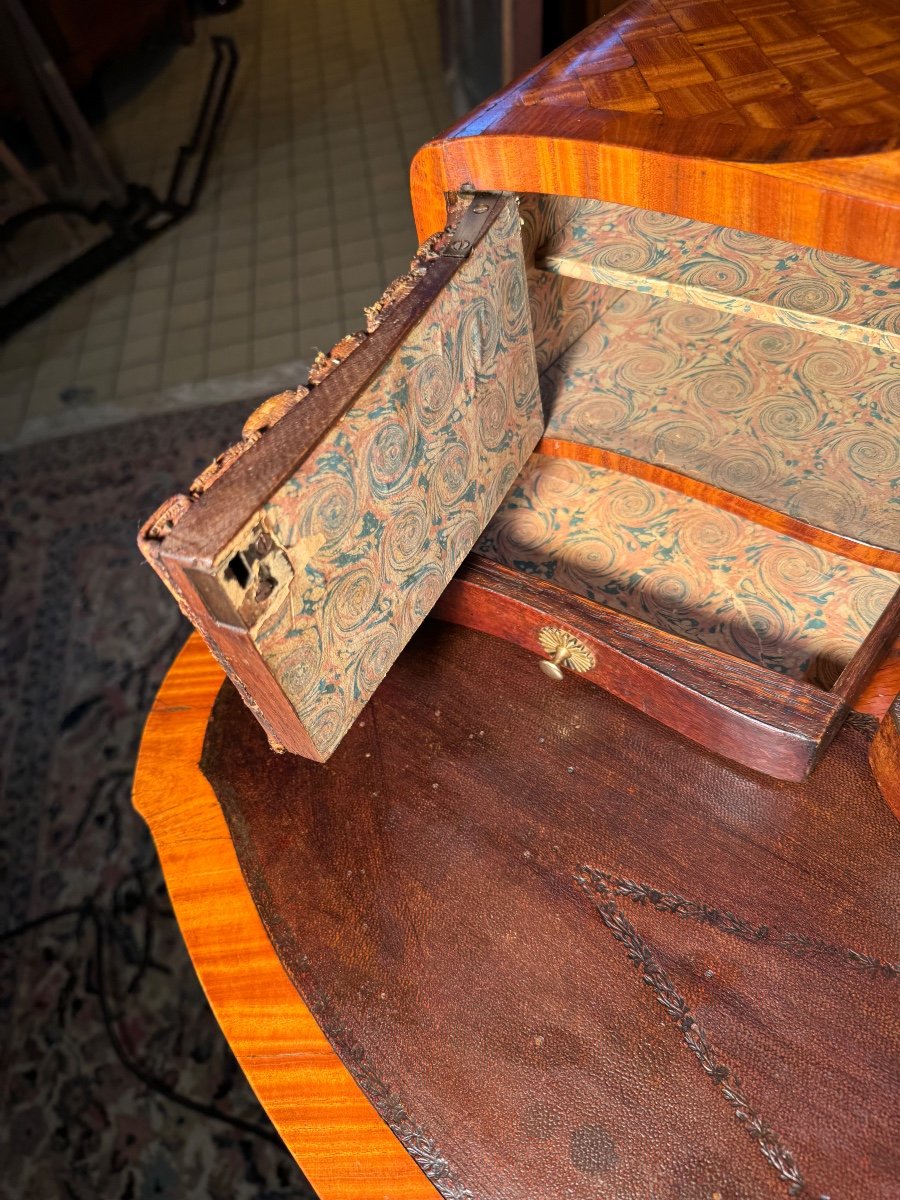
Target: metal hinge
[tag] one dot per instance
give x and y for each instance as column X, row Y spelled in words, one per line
column 458, row 248
column 472, row 224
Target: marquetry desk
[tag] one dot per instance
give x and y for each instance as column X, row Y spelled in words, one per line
column 625, row 925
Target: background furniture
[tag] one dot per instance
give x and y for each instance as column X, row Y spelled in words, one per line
column 81, row 37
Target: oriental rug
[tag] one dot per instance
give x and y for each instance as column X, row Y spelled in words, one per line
column 116, row 1082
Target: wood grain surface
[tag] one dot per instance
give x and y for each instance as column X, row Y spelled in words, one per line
column 735, row 708
column 853, row 680
column 778, row 118
column 343, row 1146
column 884, row 757
column 878, row 694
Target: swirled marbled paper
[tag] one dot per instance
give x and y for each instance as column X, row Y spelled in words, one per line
column 687, row 567
column 725, row 269
column 803, row 424
column 381, row 514
column 562, row 307
column 562, row 310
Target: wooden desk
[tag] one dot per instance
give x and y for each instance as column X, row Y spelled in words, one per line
column 782, row 119
column 327, row 1122
column 621, row 115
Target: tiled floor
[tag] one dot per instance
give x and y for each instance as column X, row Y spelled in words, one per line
column 305, row 217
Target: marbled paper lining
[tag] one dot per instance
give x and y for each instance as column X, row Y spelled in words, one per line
column 381, row 515
column 562, row 307
column 803, row 424
column 687, row 567
column 562, row 311
column 726, row 269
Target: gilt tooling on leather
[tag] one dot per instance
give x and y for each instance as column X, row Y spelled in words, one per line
column 688, row 567
column 568, row 955
column 377, row 520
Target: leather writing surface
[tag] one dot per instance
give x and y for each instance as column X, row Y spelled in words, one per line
column 566, row 954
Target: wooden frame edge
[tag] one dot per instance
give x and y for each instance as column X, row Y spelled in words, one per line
column 793, row 202
column 884, row 757
column 341, row 1143
column 732, row 707
column 206, row 528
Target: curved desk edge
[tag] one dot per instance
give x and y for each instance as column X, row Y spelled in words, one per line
column 342, row 1145
column 832, row 205
column 627, row 111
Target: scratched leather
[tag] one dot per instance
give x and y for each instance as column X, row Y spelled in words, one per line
column 462, row 892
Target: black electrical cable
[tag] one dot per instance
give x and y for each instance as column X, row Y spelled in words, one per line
column 53, row 208
column 88, row 910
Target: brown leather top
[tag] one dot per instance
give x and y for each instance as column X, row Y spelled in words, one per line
column 565, row 953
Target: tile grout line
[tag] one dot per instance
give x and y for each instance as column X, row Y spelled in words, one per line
column 367, row 164
column 349, row 86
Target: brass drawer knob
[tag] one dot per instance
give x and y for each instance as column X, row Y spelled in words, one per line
column 564, row 649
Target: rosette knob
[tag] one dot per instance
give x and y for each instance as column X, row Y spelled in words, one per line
column 564, row 649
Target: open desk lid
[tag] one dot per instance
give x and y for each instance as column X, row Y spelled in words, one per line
column 308, row 554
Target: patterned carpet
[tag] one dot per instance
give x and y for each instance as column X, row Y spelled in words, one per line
column 115, row 1081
